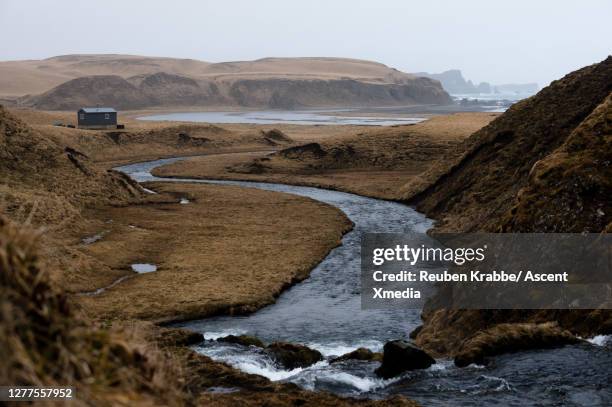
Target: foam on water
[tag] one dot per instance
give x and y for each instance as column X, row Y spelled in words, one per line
column 335, row 378
column 214, row 335
column 341, row 348
column 600, row 340
column 441, row 365
column 253, row 361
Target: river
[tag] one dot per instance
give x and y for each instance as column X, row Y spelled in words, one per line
column 324, row 312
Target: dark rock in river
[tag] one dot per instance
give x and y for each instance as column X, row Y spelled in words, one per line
column 415, row 332
column 292, row 356
column 359, row 354
column 178, row 337
column 244, row 340
column 505, row 338
column 400, row 356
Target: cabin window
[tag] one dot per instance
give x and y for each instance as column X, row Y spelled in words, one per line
column 82, row 116
column 106, row 116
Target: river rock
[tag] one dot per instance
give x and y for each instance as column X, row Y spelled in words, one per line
column 244, row 340
column 359, row 354
column 292, row 356
column 178, row 337
column 400, row 356
column 504, row 338
column 415, row 332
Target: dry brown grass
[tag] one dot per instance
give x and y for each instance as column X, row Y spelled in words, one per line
column 230, row 249
column 18, row 78
column 576, row 179
column 44, row 342
column 140, row 140
column 505, row 338
column 375, row 162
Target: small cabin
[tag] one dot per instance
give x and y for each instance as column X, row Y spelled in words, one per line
column 97, row 118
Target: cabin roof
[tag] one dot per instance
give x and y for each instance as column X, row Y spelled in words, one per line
column 97, row 110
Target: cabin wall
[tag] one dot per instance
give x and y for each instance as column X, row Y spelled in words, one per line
column 97, row 119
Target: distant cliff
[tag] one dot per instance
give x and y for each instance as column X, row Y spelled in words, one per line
column 132, row 82
column 453, row 82
column 163, row 89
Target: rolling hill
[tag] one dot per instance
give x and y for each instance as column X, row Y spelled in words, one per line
column 132, row 82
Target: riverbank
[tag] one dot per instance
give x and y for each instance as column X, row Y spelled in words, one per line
column 89, row 242
column 218, row 250
column 375, row 162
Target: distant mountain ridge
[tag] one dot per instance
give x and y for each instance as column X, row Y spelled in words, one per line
column 133, row 82
column 454, row 83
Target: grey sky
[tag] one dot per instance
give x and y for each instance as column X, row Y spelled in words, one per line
column 495, row 41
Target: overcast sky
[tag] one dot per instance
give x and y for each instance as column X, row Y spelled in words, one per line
column 489, row 40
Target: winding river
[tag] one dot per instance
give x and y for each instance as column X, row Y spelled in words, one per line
column 324, row 312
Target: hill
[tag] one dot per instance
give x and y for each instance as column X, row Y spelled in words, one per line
column 68, row 82
column 43, row 179
column 18, row 78
column 475, row 192
column 543, row 166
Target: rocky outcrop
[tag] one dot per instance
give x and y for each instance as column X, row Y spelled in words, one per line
column 453, row 82
column 244, row 340
column 504, row 338
column 292, row 94
column 293, row 356
column 178, row 337
column 359, row 354
column 173, row 90
column 401, row 356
